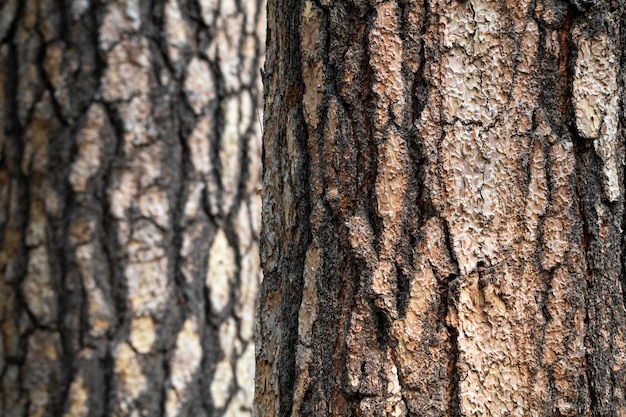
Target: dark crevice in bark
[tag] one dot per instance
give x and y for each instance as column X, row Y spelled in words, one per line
column 108, row 367
column 111, row 246
column 582, row 150
column 546, row 295
column 217, row 130
column 383, row 324
column 62, row 150
column 421, row 86
column 371, row 147
column 153, row 27
column 12, row 154
column 449, row 293
column 622, row 135
column 10, row 33
column 95, row 21
column 13, row 127
column 402, row 294
column 166, row 369
column 581, row 153
column 211, row 354
column 172, row 114
column 61, row 247
column 114, row 255
column 193, row 10
column 206, row 208
column 293, row 291
column 244, row 171
column 290, row 279
column 181, row 112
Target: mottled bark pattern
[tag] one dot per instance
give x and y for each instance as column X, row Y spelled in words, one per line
column 128, row 206
column 443, row 208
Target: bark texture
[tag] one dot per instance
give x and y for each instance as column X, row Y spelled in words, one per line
column 128, row 207
column 443, row 209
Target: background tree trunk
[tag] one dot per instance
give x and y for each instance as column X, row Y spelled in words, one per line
column 443, row 209
column 128, row 207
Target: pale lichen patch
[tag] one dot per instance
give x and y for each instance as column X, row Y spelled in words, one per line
column 244, row 370
column 89, row 148
column 199, row 84
column 222, row 383
column 175, row 29
column 121, row 17
column 147, row 285
column 146, row 272
column 142, row 334
column 228, row 338
column 139, row 127
column 208, row 9
column 224, row 49
column 127, row 73
column 100, row 311
column 221, row 272
column 184, row 365
column 245, row 308
column 154, row 204
column 200, row 146
column 130, row 379
column 38, row 222
column 238, row 407
column 122, row 193
column 230, row 152
column 78, row 396
column 37, row 287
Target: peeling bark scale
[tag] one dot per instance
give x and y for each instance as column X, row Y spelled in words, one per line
column 443, row 209
column 129, row 217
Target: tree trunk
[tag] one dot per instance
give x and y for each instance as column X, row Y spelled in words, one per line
column 443, row 207
column 128, row 206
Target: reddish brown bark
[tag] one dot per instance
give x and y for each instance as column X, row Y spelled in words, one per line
column 443, row 209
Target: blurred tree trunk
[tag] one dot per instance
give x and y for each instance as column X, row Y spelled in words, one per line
column 443, row 209
column 128, row 207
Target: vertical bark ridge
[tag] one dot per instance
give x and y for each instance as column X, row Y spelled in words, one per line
column 601, row 199
column 286, row 210
column 115, row 220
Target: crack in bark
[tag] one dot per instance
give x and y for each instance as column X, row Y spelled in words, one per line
column 449, row 293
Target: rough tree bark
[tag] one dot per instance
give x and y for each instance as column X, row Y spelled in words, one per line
column 128, row 226
column 443, row 207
